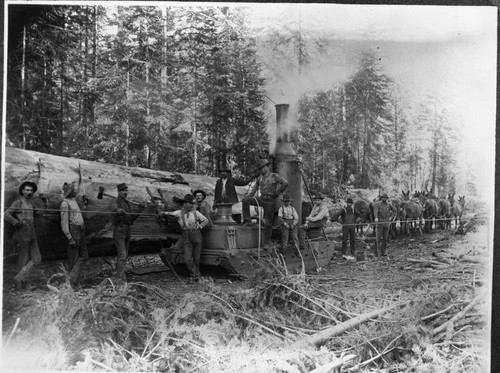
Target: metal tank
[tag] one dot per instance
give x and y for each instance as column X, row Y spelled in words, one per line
column 238, row 248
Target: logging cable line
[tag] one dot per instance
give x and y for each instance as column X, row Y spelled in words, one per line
column 85, row 211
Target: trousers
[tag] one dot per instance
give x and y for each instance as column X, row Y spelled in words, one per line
column 285, row 233
column 28, row 253
column 269, row 206
column 121, row 239
column 348, row 233
column 77, row 255
column 191, row 249
column 382, row 235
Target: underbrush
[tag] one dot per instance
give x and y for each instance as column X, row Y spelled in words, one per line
column 267, row 328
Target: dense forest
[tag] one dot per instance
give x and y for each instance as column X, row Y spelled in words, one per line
column 187, row 89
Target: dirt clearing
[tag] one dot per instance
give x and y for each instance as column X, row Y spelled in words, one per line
column 424, row 308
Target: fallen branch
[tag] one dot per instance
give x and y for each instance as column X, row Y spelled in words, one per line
column 459, row 315
column 333, row 365
column 321, row 337
column 471, row 259
column 437, row 313
column 424, row 261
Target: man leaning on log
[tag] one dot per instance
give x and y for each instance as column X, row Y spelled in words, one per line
column 21, row 215
column 73, row 227
column 122, row 221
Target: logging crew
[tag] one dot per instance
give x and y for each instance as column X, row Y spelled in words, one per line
column 225, row 191
column 316, row 219
column 21, row 214
column 383, row 213
column 347, row 217
column 288, row 218
column 191, row 222
column 73, row 227
column 122, row 222
column 271, row 185
column 201, row 205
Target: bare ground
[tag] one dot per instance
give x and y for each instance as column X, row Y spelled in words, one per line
column 431, row 273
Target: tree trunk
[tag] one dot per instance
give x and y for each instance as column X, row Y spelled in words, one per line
column 50, row 172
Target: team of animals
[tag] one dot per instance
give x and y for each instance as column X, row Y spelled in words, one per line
column 421, row 212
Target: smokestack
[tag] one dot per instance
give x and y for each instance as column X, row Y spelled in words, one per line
column 286, row 162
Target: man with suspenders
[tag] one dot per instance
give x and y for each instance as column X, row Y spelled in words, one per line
column 191, row 222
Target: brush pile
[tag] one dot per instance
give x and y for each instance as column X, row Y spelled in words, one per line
column 352, row 317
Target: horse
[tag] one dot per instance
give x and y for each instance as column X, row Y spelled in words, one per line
column 396, row 203
column 363, row 214
column 444, row 213
column 456, row 208
column 412, row 212
column 430, row 213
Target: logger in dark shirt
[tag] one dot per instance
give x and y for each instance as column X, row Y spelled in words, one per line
column 347, row 218
column 122, row 222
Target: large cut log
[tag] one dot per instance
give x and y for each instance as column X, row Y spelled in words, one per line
column 50, row 172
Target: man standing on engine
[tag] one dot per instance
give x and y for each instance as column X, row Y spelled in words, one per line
column 270, row 185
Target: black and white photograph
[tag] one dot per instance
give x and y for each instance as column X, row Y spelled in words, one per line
column 248, row 187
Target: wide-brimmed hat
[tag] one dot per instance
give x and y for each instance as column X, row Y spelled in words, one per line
column 317, row 196
column 384, row 195
column 187, row 198
column 67, row 189
column 350, row 200
column 262, row 163
column 27, row 183
column 286, row 198
column 200, row 191
column 121, row 187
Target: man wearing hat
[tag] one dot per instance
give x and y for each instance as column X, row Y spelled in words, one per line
column 316, row 219
column 288, row 218
column 191, row 222
column 73, row 227
column 122, row 222
column 201, row 205
column 382, row 213
column 347, row 218
column 21, row 215
column 225, row 191
column 270, row 185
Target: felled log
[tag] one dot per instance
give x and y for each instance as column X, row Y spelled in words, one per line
column 321, row 337
column 460, row 314
column 50, row 172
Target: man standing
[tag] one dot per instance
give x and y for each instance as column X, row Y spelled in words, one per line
column 288, row 219
column 201, row 205
column 383, row 213
column 73, row 227
column 348, row 228
column 21, row 215
column 191, row 223
column 271, row 185
column 122, row 221
column 225, row 191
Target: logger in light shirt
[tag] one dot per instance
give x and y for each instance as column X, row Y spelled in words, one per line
column 191, row 222
column 73, row 227
column 288, row 218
